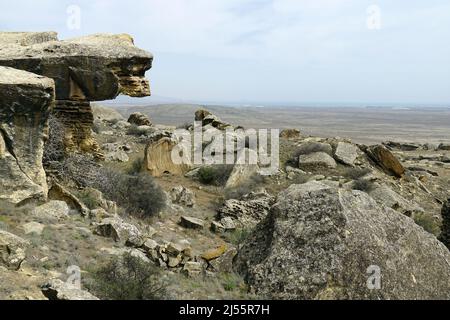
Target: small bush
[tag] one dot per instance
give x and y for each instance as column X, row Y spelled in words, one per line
column 54, row 145
column 427, row 222
column 215, row 175
column 363, row 185
column 311, row 147
column 134, row 130
column 238, row 236
column 136, row 166
column 127, row 278
column 138, row 193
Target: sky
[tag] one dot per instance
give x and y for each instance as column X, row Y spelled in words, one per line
column 269, row 51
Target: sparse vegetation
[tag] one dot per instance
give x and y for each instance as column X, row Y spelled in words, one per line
column 238, row 236
column 245, row 188
column 363, row 185
column 215, row 175
column 127, row 278
column 135, row 166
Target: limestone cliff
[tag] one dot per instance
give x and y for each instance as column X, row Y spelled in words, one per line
column 92, row 68
column 25, row 102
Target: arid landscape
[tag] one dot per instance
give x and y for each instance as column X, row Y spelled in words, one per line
column 106, row 200
column 361, row 124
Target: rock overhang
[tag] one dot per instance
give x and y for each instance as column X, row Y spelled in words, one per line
column 92, row 68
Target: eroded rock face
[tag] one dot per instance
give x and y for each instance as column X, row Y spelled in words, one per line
column 386, row 160
column 445, row 232
column 26, row 100
column 158, row 158
column 92, row 68
column 319, row 242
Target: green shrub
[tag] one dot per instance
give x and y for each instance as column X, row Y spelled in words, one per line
column 238, row 236
column 127, row 278
column 136, row 166
column 215, row 175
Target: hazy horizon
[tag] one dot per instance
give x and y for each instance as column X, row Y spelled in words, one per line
column 270, row 51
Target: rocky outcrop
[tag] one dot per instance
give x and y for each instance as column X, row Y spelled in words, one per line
column 139, row 119
column 319, row 242
column 245, row 213
column 92, row 68
column 209, row 119
column 386, row 160
column 385, row 196
column 182, row 196
column 12, row 250
column 158, row 158
column 346, row 153
column 316, row 160
column 25, row 102
column 290, row 134
column 58, row 290
column 245, row 169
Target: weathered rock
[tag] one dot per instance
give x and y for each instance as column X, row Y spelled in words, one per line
column 58, row 290
column 12, row 250
column 25, row 102
column 225, row 225
column 106, row 114
column 386, row 160
column 444, row 146
column 224, row 263
column 52, row 210
column 96, row 199
column 139, row 119
column 290, row 134
column 316, row 160
column 401, row 146
column 158, row 158
column 346, row 153
column 92, row 68
column 117, row 156
column 182, row 196
column 245, row 213
column 384, row 195
column 119, row 231
column 192, row 268
column 58, row 192
column 209, row 119
column 245, row 169
column 445, row 230
column 323, row 243
column 192, row 223
column 214, row 253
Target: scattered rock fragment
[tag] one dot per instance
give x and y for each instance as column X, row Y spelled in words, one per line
column 12, row 250
column 192, row 223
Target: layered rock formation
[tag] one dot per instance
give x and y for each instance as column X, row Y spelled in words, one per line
column 319, row 242
column 26, row 100
column 91, row 68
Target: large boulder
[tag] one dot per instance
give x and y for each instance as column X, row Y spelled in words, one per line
column 120, row 231
column 316, row 160
column 320, row 242
column 92, row 68
column 245, row 213
column 245, row 169
column 12, row 250
column 347, row 153
column 25, row 102
column 139, row 119
column 386, row 160
column 159, row 160
column 56, row 289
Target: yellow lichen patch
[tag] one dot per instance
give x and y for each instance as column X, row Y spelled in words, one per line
column 214, row 253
